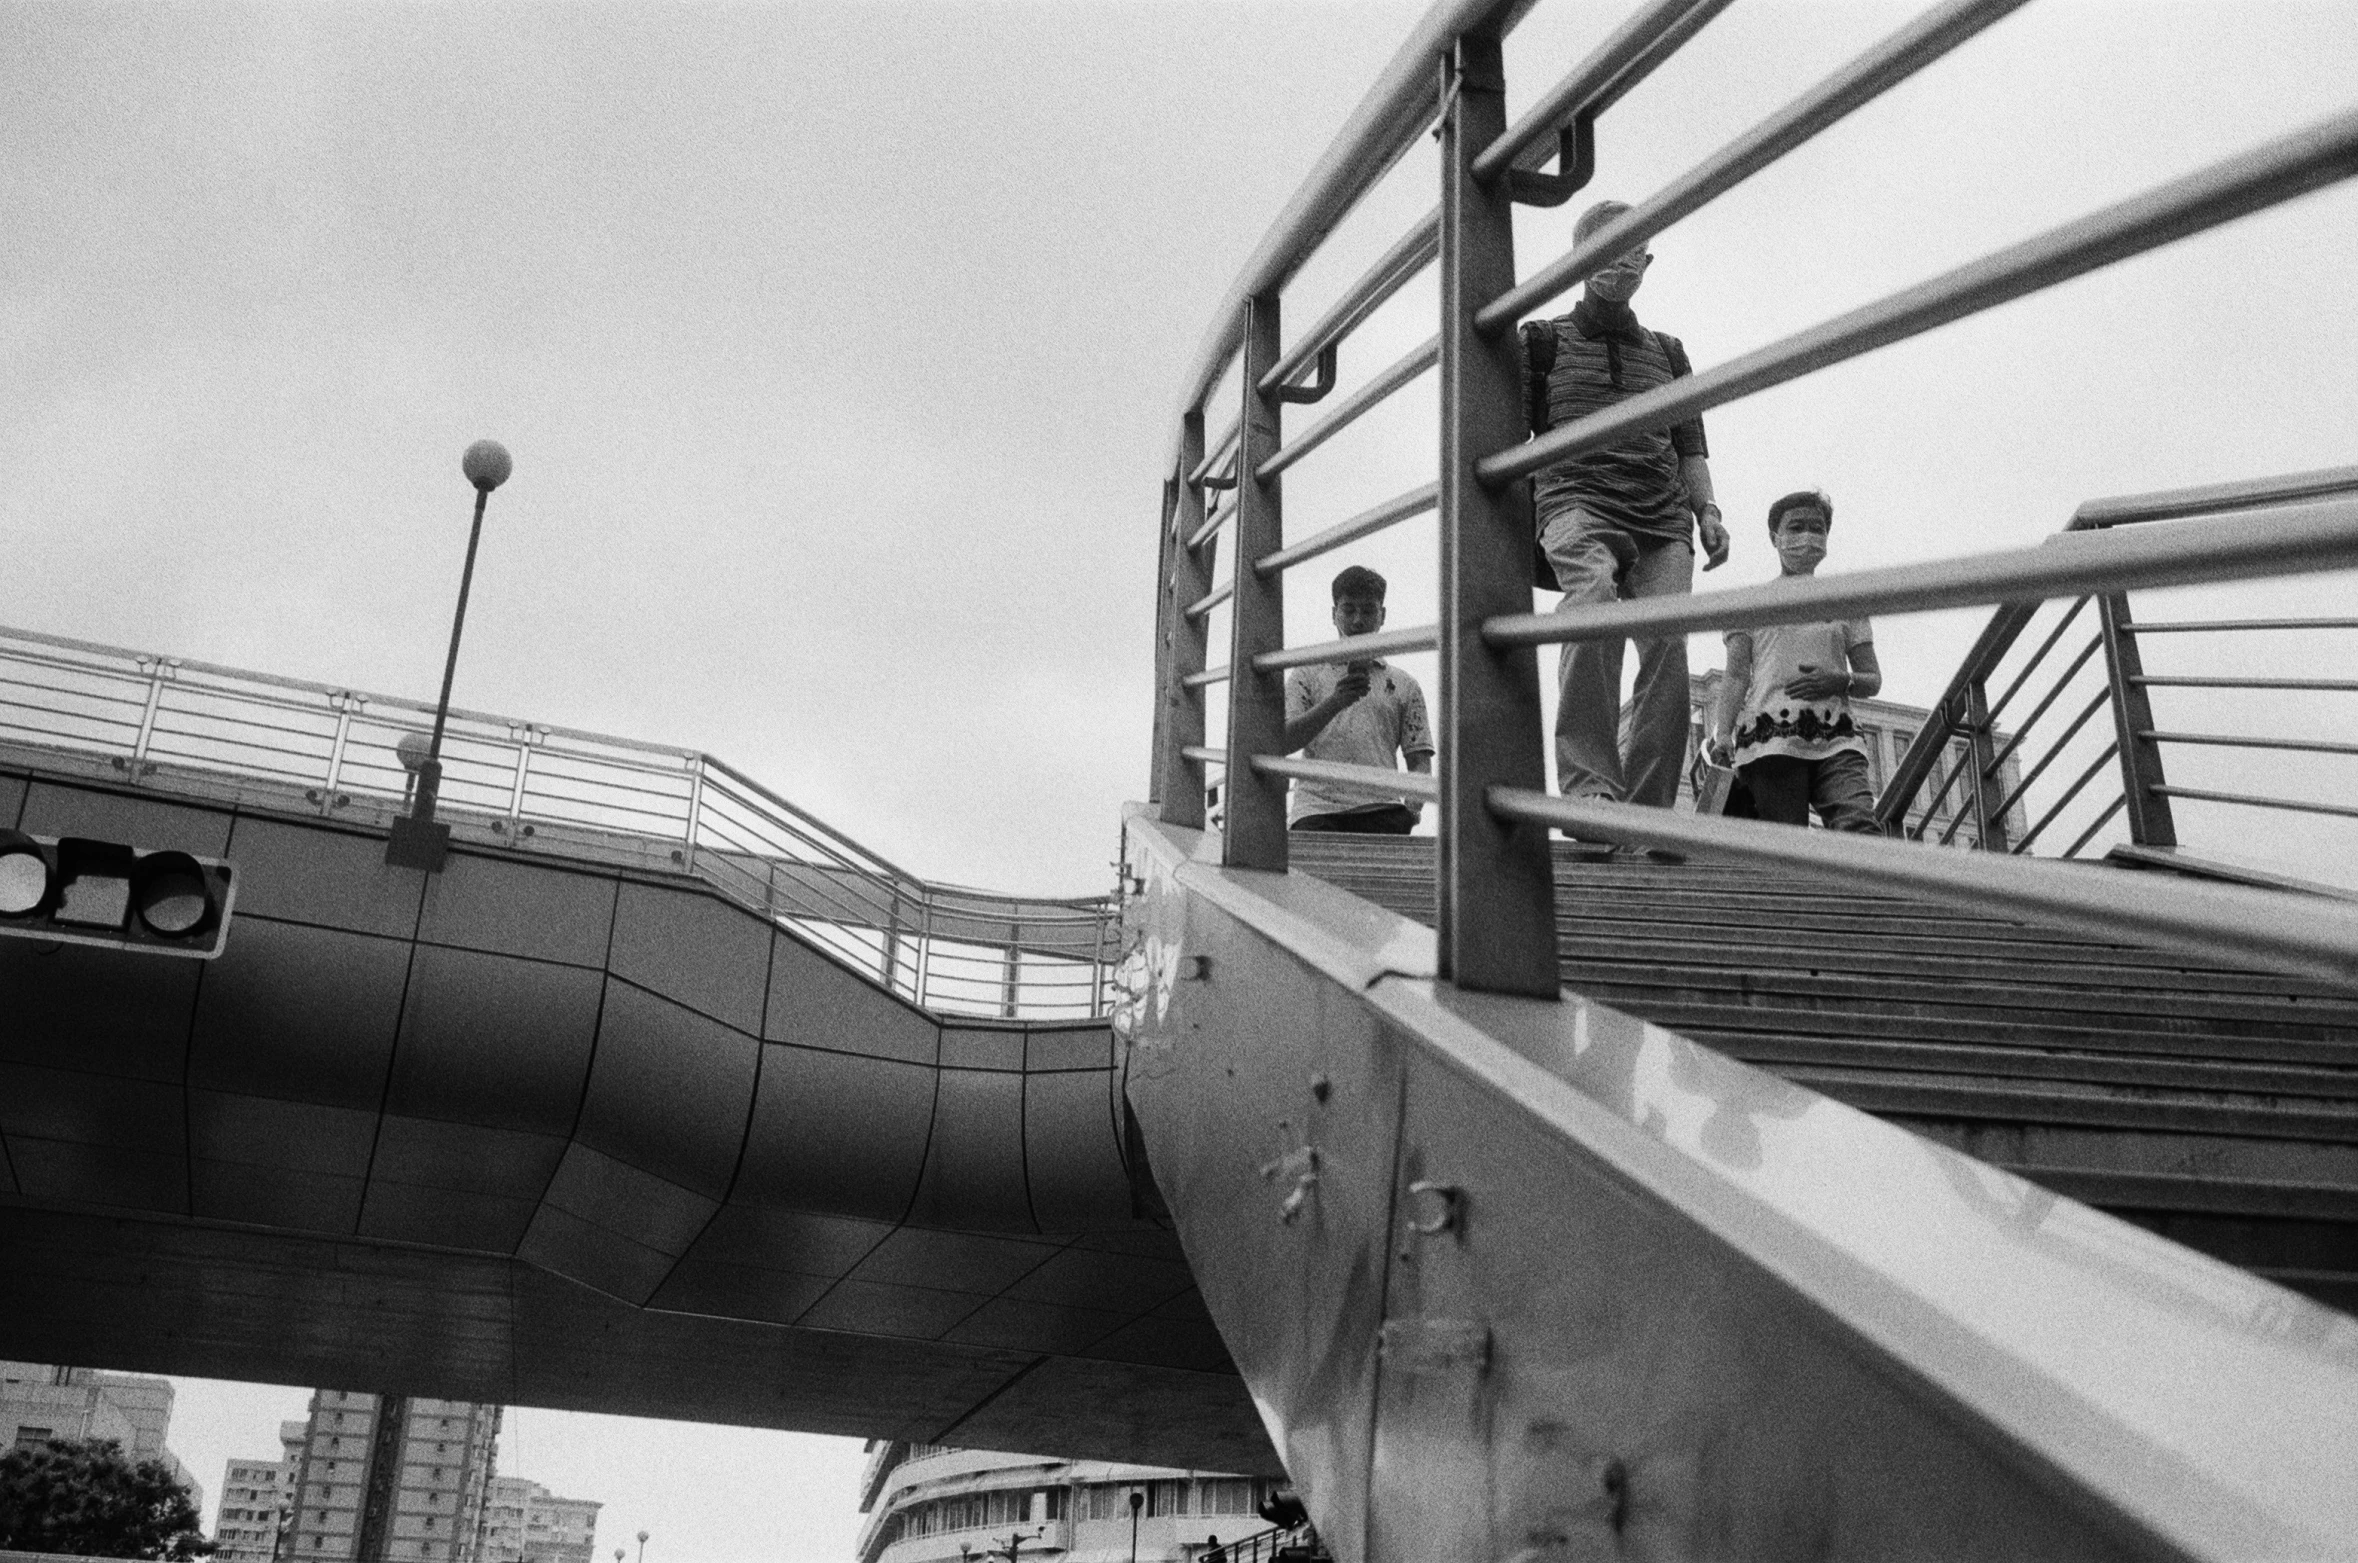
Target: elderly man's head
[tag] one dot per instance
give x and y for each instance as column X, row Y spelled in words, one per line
column 1617, row 281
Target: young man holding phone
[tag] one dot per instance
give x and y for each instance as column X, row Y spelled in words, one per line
column 1356, row 713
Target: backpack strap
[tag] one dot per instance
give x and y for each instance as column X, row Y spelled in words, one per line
column 1539, row 358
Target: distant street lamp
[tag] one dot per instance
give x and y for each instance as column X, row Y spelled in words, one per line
column 419, row 840
column 1137, row 1502
column 642, row 1534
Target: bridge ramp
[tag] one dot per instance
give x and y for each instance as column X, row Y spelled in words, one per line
column 547, row 1130
column 1534, row 1281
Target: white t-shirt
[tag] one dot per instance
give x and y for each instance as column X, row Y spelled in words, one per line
column 1386, row 722
column 1771, row 722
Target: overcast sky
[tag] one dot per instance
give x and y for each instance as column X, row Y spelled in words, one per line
column 838, row 346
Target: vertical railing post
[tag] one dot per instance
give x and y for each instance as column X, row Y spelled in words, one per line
column 1989, row 826
column 1255, row 834
column 343, row 701
column 2150, row 822
column 147, row 717
column 695, row 806
column 1496, row 890
column 1163, row 563
column 1010, row 970
column 1186, row 577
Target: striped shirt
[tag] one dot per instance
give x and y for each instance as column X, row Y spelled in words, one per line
column 1604, row 356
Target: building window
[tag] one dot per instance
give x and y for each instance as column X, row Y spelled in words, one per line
column 32, row 1435
column 1228, row 1495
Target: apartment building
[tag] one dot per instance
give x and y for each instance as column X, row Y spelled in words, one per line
column 391, row 1479
column 927, row 1503
column 257, row 1501
column 526, row 1523
column 40, row 1401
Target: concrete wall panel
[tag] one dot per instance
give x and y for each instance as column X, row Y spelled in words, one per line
column 12, row 799
column 298, row 1012
column 274, row 1197
column 494, row 1040
column 271, row 1132
column 628, row 1201
column 330, row 878
column 968, row 1261
column 518, row 908
column 1028, row 1326
column 55, row 810
column 694, row 950
column 978, row 1047
column 836, row 1134
column 816, row 1003
column 77, row 1106
column 1075, row 1174
column 974, row 1167
column 1069, row 1047
column 739, row 1291
column 1120, row 1283
column 921, row 1313
column 457, row 1185
column 564, row 1244
column 115, row 1012
column 669, row 1091
column 766, row 1237
column 75, row 1173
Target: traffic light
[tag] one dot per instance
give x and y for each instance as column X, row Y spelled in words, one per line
column 73, row 890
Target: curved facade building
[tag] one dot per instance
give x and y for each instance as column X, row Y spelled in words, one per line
column 926, row 1503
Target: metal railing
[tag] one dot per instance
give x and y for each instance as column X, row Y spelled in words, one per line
column 197, row 729
column 1495, row 922
column 2124, row 773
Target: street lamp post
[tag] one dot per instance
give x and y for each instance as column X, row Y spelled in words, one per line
column 642, row 1547
column 1137, row 1502
column 419, row 840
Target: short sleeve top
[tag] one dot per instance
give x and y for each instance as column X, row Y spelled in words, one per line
column 1378, row 728
column 1771, row 722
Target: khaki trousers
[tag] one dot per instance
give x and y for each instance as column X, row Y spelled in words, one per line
column 1595, row 562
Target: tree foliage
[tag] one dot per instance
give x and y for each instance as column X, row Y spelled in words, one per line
column 86, row 1497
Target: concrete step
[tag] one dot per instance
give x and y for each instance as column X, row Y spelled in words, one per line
column 2215, row 1104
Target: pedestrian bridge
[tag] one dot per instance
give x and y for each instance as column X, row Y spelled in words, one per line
column 1745, row 1192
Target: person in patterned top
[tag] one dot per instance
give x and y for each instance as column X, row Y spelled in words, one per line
column 1783, row 718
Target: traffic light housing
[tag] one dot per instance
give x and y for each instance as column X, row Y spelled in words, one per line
column 76, row 890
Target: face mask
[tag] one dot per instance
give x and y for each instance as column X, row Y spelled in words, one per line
column 1617, row 286
column 1801, row 547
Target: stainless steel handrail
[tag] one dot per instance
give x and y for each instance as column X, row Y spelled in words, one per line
column 1605, row 70
column 300, row 745
column 1359, row 778
column 2234, row 187
column 1886, row 65
column 1367, row 523
column 2300, row 936
column 1392, row 271
column 1407, row 368
column 1387, row 122
column 2279, row 540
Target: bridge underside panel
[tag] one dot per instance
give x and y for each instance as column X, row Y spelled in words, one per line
column 162, row 1296
column 569, row 1134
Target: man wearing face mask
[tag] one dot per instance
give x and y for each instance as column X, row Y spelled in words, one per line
column 1618, row 524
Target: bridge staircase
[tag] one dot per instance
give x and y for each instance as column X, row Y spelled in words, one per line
column 2210, row 1103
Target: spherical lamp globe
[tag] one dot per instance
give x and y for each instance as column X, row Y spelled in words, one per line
column 412, row 750
column 486, row 464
